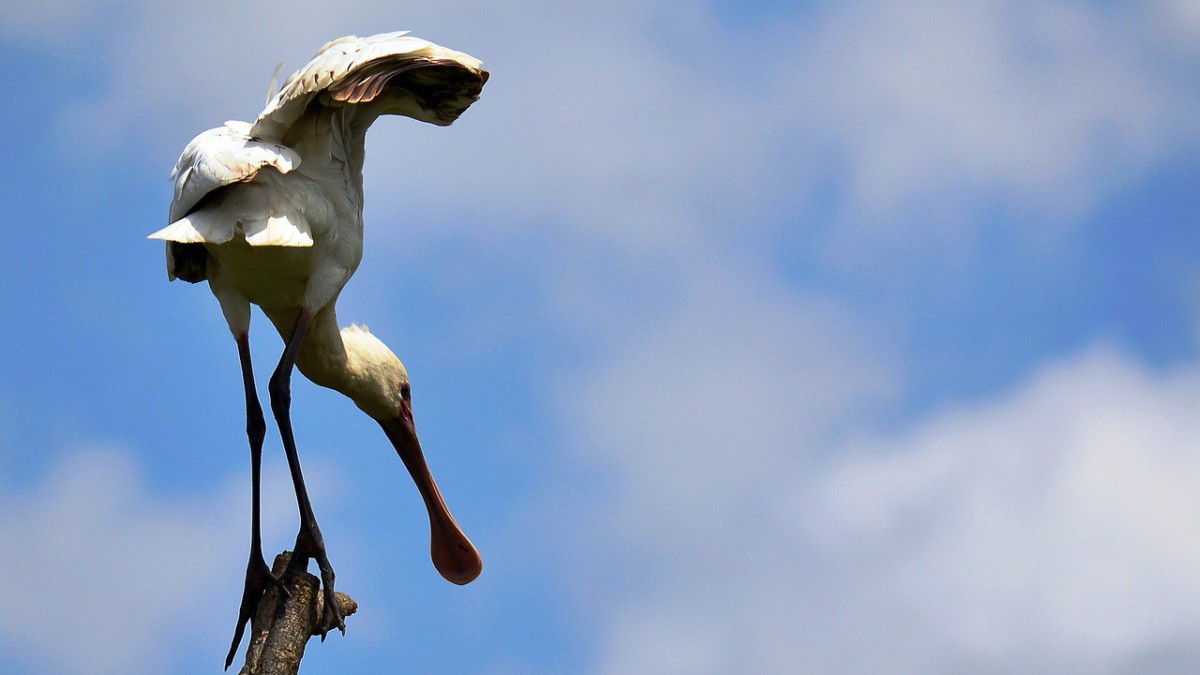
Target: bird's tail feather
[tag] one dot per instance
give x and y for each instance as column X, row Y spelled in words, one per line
column 216, row 226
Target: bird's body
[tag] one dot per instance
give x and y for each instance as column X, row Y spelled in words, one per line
column 270, row 213
column 293, row 178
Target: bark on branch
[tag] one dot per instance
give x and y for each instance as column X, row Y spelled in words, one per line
column 278, row 635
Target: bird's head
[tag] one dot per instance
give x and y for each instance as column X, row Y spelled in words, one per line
column 378, row 380
column 381, row 388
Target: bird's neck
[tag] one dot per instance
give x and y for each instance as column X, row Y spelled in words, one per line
column 332, row 145
column 351, row 129
column 363, row 369
column 322, row 357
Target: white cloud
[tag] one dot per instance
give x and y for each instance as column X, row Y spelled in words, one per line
column 1181, row 20
column 694, row 392
column 1054, row 529
column 177, row 69
column 935, row 107
column 705, row 424
column 102, row 576
column 910, row 114
column 914, row 116
column 592, row 123
column 1061, row 520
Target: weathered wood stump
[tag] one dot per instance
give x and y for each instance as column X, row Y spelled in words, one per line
column 278, row 635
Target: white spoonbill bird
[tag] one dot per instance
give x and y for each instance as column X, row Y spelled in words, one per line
column 271, row 213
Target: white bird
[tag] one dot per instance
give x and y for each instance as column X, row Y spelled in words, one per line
column 270, row 213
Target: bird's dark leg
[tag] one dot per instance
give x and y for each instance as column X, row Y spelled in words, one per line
column 309, row 543
column 258, row 574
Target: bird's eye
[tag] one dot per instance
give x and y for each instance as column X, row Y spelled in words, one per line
column 405, row 391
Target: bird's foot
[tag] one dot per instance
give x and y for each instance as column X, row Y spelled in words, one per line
column 309, row 544
column 258, row 579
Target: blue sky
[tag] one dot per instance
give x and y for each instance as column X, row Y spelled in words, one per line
column 745, row 337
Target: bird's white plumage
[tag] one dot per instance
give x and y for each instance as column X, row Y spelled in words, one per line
column 221, row 156
column 435, row 85
column 224, row 156
column 334, row 66
column 270, row 214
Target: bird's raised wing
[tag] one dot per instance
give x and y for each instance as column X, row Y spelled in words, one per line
column 403, row 74
column 214, row 159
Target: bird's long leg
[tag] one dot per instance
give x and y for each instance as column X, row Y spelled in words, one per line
column 309, row 543
column 258, row 574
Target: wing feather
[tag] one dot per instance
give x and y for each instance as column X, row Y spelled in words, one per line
column 430, row 83
column 220, row 157
column 399, row 73
column 281, row 228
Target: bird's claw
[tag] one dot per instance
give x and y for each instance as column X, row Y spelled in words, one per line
column 310, row 545
column 258, row 579
column 331, row 617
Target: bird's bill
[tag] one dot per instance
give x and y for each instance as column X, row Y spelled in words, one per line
column 453, row 554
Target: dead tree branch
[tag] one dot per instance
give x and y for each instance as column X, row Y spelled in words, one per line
column 278, row 635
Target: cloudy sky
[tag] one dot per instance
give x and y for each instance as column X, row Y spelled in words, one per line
column 775, row 337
